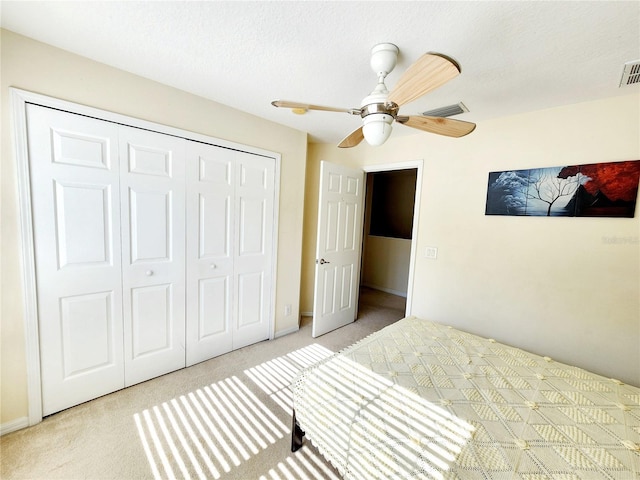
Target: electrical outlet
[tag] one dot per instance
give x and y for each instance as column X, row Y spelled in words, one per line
column 431, row 252
column 287, row 310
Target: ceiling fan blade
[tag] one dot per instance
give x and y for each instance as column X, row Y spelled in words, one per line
column 353, row 139
column 308, row 106
column 428, row 73
column 439, row 125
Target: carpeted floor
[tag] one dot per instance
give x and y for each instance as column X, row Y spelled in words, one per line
column 228, row 417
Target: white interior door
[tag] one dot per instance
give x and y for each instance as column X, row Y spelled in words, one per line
column 211, row 177
column 75, row 197
column 152, row 185
column 338, row 247
column 253, row 233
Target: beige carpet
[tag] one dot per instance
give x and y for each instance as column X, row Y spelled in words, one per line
column 229, row 417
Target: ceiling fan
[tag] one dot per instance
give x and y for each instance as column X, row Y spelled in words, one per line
column 380, row 108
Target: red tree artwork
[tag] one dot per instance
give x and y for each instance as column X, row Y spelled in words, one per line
column 617, row 180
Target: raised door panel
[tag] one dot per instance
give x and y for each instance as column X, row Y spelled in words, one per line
column 348, row 286
column 87, row 325
column 328, row 283
column 153, row 246
column 75, row 193
column 214, row 222
column 150, row 225
column 250, row 299
column 83, row 214
column 151, row 319
column 210, row 224
column 331, row 220
column 213, row 307
column 252, row 231
column 254, row 204
column 350, row 235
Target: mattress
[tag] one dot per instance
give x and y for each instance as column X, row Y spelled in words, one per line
column 423, row 400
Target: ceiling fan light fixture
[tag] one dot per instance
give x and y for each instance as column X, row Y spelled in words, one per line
column 377, row 128
column 380, row 108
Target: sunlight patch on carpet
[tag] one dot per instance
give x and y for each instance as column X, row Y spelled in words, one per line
column 274, row 377
column 205, row 433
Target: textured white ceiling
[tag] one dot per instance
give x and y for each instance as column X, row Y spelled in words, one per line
column 515, row 56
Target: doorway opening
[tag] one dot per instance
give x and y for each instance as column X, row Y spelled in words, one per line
column 387, row 241
column 339, row 245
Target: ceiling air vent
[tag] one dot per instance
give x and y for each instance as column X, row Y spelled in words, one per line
column 631, row 73
column 448, row 111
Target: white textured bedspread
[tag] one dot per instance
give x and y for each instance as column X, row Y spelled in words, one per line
column 422, row 400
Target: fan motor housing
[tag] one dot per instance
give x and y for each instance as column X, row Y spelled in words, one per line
column 376, row 103
column 379, row 108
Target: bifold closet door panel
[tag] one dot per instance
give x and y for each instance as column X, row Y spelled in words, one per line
column 230, row 202
column 254, row 204
column 152, row 191
column 74, row 173
column 210, row 228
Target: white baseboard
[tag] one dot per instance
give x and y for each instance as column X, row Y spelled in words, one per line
column 306, row 314
column 13, row 425
column 386, row 290
column 282, row 333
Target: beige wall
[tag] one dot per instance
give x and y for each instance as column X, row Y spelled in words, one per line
column 385, row 264
column 40, row 68
column 565, row 287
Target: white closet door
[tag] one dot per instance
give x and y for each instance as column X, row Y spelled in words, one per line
column 75, row 196
column 254, row 203
column 210, row 227
column 153, row 247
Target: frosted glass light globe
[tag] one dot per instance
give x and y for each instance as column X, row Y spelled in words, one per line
column 377, row 128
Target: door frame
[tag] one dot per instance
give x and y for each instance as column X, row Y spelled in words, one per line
column 387, row 167
column 18, row 100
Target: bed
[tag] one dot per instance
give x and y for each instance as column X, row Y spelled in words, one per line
column 423, row 400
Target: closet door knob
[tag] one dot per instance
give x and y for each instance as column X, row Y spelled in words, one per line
column 213, row 266
column 149, row 273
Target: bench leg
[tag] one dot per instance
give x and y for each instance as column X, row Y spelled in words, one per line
column 297, row 434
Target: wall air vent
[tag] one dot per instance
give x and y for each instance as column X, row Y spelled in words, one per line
column 631, row 73
column 448, row 111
